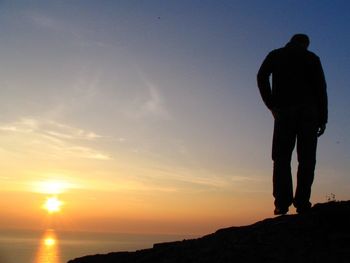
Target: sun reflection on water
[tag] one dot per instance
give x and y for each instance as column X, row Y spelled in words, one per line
column 48, row 251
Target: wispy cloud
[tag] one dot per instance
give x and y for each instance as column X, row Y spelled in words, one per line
column 77, row 34
column 4, row 178
column 56, row 138
column 45, row 21
column 84, row 152
column 79, row 94
column 151, row 105
column 155, row 104
column 48, row 128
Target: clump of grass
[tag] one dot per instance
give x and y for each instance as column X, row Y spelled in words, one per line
column 331, row 197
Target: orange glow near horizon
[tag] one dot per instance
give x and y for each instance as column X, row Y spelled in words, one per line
column 134, row 208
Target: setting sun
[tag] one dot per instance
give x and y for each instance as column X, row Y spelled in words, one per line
column 53, row 204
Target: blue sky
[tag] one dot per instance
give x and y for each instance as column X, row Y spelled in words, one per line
column 161, row 96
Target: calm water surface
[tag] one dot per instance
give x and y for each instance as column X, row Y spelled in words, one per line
column 50, row 246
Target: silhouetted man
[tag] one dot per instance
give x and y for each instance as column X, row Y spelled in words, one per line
column 298, row 102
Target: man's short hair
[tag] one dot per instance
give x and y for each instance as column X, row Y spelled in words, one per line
column 301, row 40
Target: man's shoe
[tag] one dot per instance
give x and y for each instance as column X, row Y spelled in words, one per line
column 280, row 211
column 303, row 209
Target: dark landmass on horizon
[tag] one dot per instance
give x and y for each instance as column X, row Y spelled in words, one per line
column 320, row 235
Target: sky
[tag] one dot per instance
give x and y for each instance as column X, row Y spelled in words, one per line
column 145, row 117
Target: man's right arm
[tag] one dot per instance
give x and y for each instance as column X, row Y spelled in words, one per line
column 263, row 80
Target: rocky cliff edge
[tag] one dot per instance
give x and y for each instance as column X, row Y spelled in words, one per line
column 320, row 235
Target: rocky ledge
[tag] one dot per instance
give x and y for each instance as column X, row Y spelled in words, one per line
column 320, row 235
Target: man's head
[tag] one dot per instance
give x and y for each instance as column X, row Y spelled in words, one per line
column 300, row 40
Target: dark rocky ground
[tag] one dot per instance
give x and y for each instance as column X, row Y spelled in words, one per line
column 321, row 235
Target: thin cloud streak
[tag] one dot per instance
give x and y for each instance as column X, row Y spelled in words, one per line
column 56, row 138
column 152, row 105
column 196, row 178
column 155, row 104
column 48, row 128
column 77, row 35
column 45, row 21
column 82, row 91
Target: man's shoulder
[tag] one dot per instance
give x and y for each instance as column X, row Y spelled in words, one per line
column 277, row 51
column 285, row 51
column 275, row 54
column 312, row 54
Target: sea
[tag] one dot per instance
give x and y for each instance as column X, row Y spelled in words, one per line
column 52, row 246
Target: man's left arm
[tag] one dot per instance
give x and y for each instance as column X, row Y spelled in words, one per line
column 322, row 97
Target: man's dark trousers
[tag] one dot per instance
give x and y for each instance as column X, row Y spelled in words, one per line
column 295, row 125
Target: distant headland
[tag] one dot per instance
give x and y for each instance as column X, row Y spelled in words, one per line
column 320, row 235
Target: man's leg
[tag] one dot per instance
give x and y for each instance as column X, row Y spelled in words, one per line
column 306, row 149
column 284, row 137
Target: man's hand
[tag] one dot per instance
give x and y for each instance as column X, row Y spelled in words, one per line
column 321, row 130
column 275, row 112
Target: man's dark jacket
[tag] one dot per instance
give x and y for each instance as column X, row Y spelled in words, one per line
column 297, row 80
